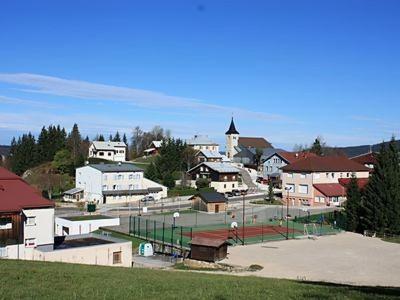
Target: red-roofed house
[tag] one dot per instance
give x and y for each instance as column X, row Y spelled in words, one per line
column 26, row 219
column 366, row 159
column 316, row 180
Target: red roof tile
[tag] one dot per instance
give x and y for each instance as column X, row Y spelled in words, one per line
column 16, row 194
column 362, row 182
column 254, row 142
column 331, row 189
column 325, row 164
column 292, row 157
column 365, row 159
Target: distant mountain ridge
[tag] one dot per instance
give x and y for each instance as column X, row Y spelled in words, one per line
column 4, row 150
column 358, row 150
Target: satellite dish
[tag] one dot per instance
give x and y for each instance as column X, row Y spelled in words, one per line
column 234, row 225
column 176, row 215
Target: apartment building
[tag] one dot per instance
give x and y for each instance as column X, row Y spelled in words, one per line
column 315, row 181
column 202, row 142
column 116, row 183
column 114, row 151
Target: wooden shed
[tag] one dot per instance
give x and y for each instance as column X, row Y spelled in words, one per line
column 207, row 249
column 209, row 202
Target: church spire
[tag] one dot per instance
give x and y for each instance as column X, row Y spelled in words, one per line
column 232, row 129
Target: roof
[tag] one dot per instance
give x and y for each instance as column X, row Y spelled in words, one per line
column 331, row 189
column 210, row 154
column 73, row 191
column 254, row 142
column 156, row 144
column 214, row 243
column 325, row 164
column 219, row 167
column 117, row 167
column 232, row 128
column 361, row 182
column 99, row 145
column 292, row 157
column 366, row 158
column 244, row 152
column 200, row 140
column 212, row 197
column 16, row 194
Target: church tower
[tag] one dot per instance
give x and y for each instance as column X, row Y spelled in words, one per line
column 232, row 140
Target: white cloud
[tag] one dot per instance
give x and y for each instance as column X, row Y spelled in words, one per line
column 36, row 83
column 18, row 101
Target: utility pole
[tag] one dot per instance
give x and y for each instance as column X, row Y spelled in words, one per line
column 244, row 219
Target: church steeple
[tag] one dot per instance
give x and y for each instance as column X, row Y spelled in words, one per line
column 232, row 129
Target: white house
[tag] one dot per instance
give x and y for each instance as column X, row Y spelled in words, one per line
column 114, row 151
column 116, row 183
column 26, row 219
column 202, row 142
column 82, row 224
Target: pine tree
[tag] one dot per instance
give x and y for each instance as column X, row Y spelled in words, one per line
column 110, row 138
column 101, row 138
column 317, row 147
column 117, row 137
column 353, row 206
column 74, row 145
column 381, row 204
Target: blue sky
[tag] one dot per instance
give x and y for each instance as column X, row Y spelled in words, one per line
column 286, row 70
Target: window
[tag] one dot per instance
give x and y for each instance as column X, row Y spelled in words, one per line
column 104, row 188
column 31, row 221
column 233, row 185
column 120, row 177
column 101, row 153
column 327, row 175
column 131, row 186
column 30, row 243
column 117, row 257
column 303, row 189
column 130, row 176
column 348, row 175
column 114, row 187
column 302, row 175
column 290, row 175
column 290, row 187
column 333, row 175
column 225, row 186
column 109, row 153
column 201, row 169
column 233, row 177
column 5, row 223
column 121, row 151
column 225, row 177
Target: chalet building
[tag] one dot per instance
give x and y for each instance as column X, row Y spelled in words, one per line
column 366, row 159
column 208, row 155
column 315, row 180
column 202, row 142
column 115, row 183
column 223, row 177
column 154, row 148
column 114, row 151
column 209, row 202
column 26, row 219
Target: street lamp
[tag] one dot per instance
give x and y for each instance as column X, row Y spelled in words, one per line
column 287, row 189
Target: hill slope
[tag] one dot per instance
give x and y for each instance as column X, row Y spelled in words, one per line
column 357, row 150
column 39, row 280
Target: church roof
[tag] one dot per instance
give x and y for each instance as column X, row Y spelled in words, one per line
column 232, row 129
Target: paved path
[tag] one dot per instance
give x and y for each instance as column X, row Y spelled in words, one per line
column 344, row 258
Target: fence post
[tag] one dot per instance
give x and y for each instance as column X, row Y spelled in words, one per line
column 163, row 235
column 154, row 230
column 172, row 237
column 139, row 234
column 181, row 242
column 134, row 225
column 147, row 228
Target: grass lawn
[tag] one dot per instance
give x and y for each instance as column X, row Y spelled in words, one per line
column 392, row 239
column 44, row 280
column 87, row 217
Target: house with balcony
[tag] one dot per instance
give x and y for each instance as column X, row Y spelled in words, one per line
column 316, row 180
column 26, row 219
column 208, row 155
column 153, row 149
column 113, row 151
column 223, row 177
column 116, row 183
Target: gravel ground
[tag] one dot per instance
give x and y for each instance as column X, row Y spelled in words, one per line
column 344, row 258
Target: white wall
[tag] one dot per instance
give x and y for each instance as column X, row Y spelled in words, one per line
column 43, row 230
column 90, row 180
column 82, row 227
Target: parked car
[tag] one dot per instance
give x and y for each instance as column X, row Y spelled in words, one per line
column 147, row 198
column 236, row 193
column 244, row 192
column 228, row 194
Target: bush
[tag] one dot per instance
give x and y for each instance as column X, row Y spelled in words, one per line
column 202, row 183
column 254, row 268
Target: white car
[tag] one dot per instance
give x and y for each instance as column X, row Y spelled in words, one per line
column 148, row 198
